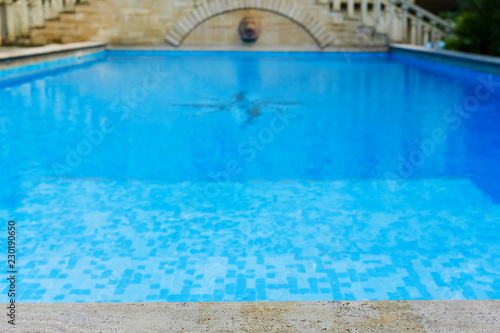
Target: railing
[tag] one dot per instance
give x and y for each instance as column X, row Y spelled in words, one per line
column 401, row 20
column 17, row 17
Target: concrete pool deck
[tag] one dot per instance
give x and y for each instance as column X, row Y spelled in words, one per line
column 391, row 316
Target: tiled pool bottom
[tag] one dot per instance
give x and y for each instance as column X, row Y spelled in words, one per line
column 97, row 241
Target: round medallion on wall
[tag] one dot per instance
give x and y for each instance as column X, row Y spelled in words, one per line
column 250, row 29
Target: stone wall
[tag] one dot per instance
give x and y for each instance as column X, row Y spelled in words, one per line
column 148, row 22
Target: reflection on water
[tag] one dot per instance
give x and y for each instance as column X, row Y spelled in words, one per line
column 245, row 107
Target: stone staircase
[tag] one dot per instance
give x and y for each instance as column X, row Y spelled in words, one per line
column 61, row 30
column 348, row 32
column 21, row 20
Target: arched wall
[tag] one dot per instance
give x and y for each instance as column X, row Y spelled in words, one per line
column 285, row 8
column 221, row 31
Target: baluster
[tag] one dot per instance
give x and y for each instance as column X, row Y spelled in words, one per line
column 413, row 31
column 47, row 9
column 433, row 34
column 31, row 13
column 376, row 15
column 38, row 17
column 24, row 19
column 69, row 5
column 17, row 18
column 404, row 27
column 419, row 28
column 439, row 38
column 447, row 32
column 426, row 35
column 350, row 8
column 337, row 5
column 10, row 17
column 398, row 25
column 56, row 8
column 364, row 10
column 1, row 30
column 391, row 19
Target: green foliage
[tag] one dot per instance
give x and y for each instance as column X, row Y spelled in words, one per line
column 477, row 28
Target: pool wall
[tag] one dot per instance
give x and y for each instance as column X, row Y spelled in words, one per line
column 22, row 64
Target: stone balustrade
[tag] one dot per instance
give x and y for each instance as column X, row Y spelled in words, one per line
column 401, row 20
column 21, row 16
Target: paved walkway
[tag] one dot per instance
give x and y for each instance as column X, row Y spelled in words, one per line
column 300, row 317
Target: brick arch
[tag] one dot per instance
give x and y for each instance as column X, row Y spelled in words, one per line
column 285, row 8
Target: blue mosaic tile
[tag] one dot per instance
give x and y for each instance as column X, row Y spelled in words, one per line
column 394, row 274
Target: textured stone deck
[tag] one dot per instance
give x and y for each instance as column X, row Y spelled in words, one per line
column 415, row 316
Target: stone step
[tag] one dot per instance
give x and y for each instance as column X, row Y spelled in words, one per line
column 67, row 17
column 60, row 25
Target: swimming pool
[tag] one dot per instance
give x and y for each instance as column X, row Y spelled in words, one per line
column 185, row 176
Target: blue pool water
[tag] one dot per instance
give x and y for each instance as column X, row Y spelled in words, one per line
column 253, row 177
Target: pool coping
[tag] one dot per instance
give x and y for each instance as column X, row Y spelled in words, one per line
column 277, row 49
column 355, row 316
column 481, row 63
column 51, row 49
column 19, row 64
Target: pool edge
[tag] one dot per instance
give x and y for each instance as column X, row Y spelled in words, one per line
column 476, row 62
column 380, row 316
column 22, row 64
